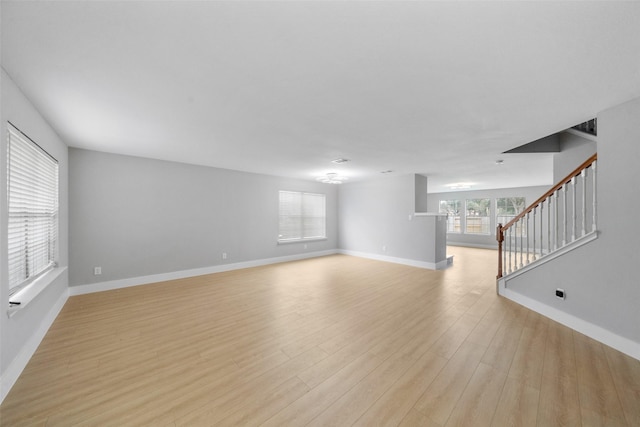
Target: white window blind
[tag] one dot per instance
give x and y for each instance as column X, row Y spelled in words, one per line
column 302, row 216
column 33, row 210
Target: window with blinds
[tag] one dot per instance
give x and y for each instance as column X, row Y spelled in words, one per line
column 302, row 216
column 33, row 210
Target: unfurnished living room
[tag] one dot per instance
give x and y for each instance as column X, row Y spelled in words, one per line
column 292, row 213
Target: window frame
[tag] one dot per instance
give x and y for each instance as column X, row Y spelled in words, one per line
column 305, row 218
column 28, row 164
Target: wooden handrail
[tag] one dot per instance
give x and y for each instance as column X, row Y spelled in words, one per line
column 501, row 228
column 553, row 189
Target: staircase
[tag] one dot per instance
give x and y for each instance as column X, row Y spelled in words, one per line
column 560, row 220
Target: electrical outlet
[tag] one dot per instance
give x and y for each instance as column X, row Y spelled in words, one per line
column 560, row 293
column 97, row 271
column 224, row 255
column 384, row 248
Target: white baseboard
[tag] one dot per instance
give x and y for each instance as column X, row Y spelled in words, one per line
column 163, row 277
column 473, row 245
column 622, row 344
column 404, row 261
column 13, row 371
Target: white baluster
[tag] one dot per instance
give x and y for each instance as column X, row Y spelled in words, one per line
column 521, row 243
column 509, row 244
column 595, row 191
column 573, row 211
column 548, row 200
column 527, row 233
column 583, row 176
column 549, row 225
column 555, row 220
column 504, row 253
column 534, row 232
column 564, row 214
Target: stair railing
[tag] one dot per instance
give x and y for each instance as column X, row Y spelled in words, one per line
column 565, row 213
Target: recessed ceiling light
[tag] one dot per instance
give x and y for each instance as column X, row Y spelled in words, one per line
column 499, row 162
column 338, row 161
column 387, row 171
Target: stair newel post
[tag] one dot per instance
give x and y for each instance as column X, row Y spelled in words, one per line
column 500, row 238
column 595, row 204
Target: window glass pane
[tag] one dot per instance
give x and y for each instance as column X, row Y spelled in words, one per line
column 477, row 218
column 452, row 208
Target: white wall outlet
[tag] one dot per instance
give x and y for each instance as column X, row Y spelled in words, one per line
column 224, row 255
column 410, row 217
column 97, row 271
column 384, row 248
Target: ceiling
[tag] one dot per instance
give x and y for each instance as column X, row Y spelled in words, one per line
column 283, row 88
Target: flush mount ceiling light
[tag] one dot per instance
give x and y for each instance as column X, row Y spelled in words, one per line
column 338, row 161
column 332, row 178
column 387, row 171
column 460, row 185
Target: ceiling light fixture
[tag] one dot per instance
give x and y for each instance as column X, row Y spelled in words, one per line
column 459, row 186
column 499, row 162
column 332, row 178
column 341, row 160
column 387, row 171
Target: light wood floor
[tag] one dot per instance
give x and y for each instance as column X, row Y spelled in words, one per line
column 336, row 340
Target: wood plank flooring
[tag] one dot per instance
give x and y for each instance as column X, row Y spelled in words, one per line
column 331, row 341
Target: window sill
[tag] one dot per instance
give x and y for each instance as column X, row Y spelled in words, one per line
column 429, row 214
column 458, row 233
column 288, row 242
column 30, row 292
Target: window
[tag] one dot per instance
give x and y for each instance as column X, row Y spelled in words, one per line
column 477, row 219
column 452, row 208
column 33, row 210
column 508, row 208
column 302, row 216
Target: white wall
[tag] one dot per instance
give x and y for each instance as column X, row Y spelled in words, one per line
column 573, row 151
column 377, row 219
column 20, row 334
column 600, row 278
column 136, row 217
